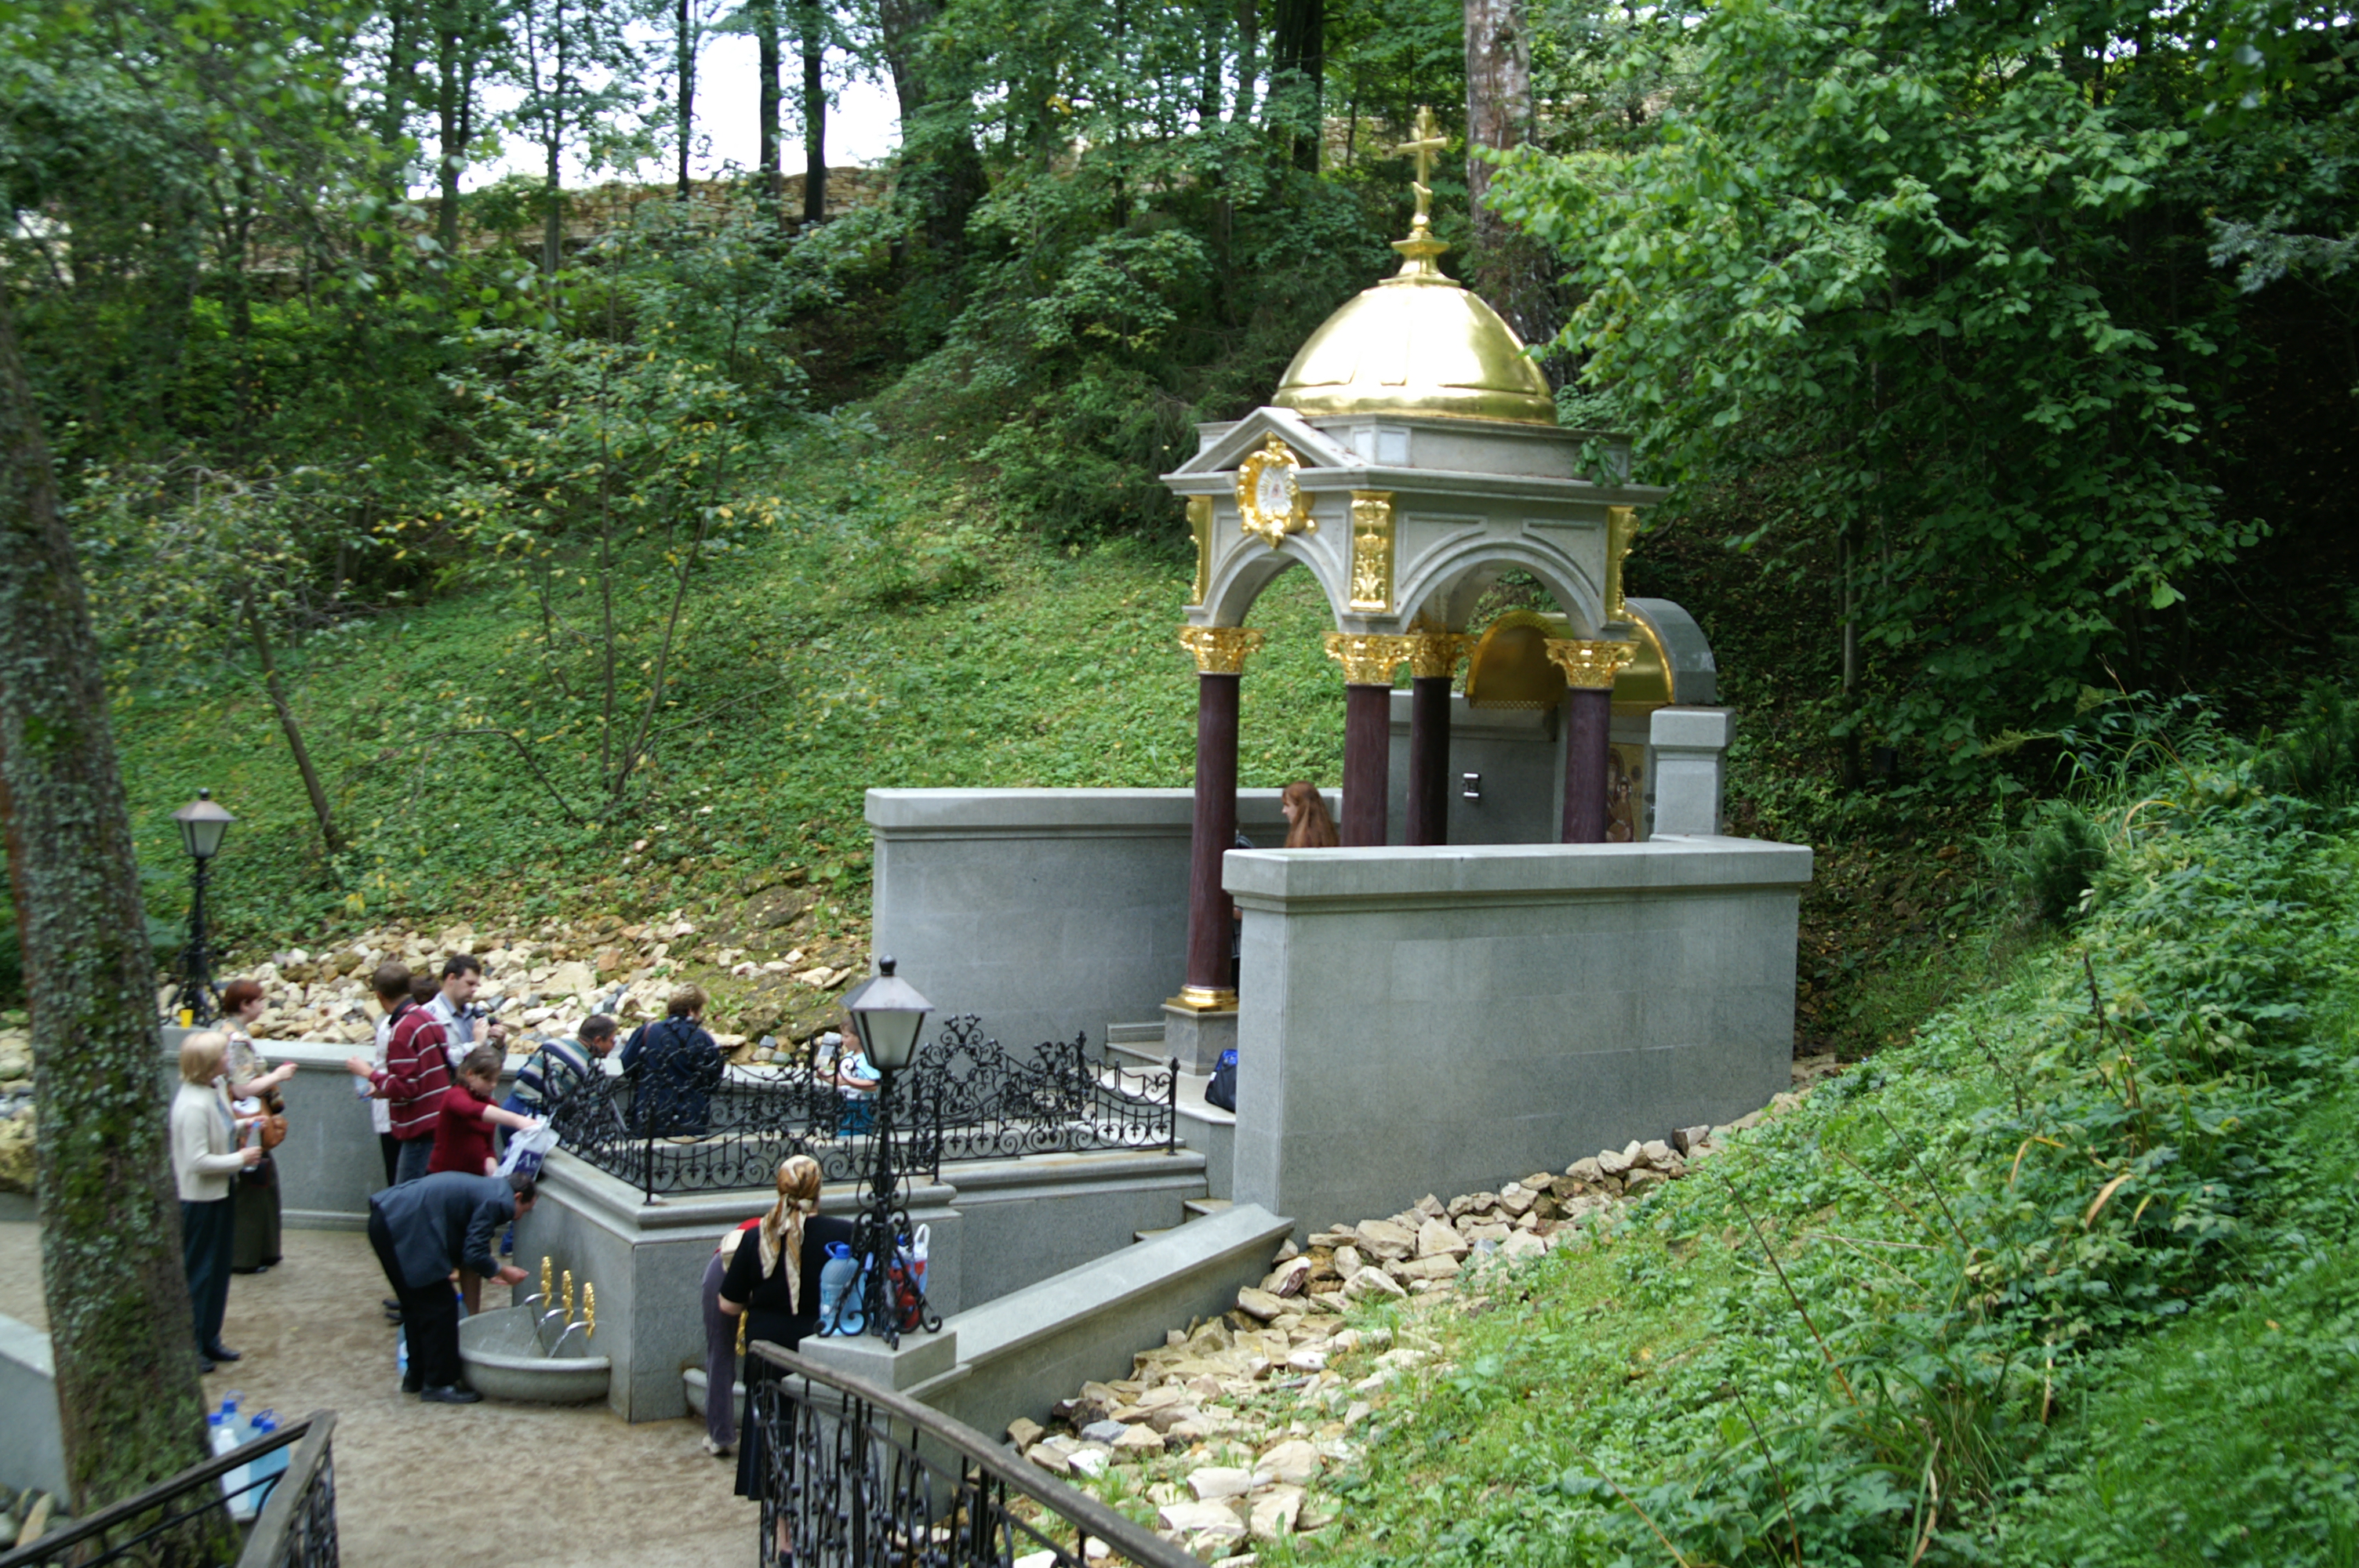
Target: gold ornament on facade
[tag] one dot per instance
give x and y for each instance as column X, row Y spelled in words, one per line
column 1620, row 533
column 1372, row 551
column 1269, row 496
column 1434, row 652
column 1589, row 665
column 1199, row 525
column 1220, row 650
column 1368, row 658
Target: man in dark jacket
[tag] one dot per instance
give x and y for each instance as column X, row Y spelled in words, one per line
column 423, row 1230
column 674, row 1066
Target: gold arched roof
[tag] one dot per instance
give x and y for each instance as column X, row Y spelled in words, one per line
column 1420, row 342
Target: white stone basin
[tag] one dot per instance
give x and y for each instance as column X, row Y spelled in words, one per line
column 504, row 1361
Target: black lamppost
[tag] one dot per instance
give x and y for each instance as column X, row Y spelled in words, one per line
column 887, row 1012
column 203, row 824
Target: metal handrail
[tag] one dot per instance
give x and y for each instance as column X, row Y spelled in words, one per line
column 1077, row 1507
column 203, row 1478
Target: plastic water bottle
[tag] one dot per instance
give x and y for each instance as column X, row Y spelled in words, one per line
column 222, row 1431
column 265, row 1469
column 835, row 1277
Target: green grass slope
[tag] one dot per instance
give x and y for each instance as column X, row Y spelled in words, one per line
column 2067, row 1278
column 879, row 636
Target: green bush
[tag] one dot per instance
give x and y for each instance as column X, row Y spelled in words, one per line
column 2057, row 863
column 2318, row 756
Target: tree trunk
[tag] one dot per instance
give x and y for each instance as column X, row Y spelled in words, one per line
column 1505, row 268
column 1248, row 44
column 293, row 730
column 1297, row 76
column 553, row 238
column 939, row 168
column 448, row 40
column 1208, row 86
column 766, row 35
column 119, row 1301
column 814, row 43
column 687, row 62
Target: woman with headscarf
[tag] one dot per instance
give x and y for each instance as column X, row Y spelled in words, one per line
column 774, row 1282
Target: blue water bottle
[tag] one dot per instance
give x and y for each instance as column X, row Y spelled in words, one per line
column 265, row 1469
column 835, row 1279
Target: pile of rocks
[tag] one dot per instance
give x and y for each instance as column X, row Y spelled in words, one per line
column 29, row 1517
column 548, row 981
column 16, row 1111
column 1226, row 1428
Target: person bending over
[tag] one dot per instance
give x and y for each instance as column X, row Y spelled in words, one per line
column 421, row 1231
column 557, row 1066
column 463, row 1135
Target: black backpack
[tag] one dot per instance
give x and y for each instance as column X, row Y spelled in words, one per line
column 1223, row 1090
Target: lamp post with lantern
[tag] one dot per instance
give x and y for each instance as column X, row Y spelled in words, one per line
column 203, row 822
column 886, row 1014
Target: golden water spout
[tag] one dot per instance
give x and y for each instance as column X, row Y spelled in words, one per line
column 589, row 1311
column 568, row 1295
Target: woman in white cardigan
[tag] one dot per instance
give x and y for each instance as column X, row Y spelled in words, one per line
column 205, row 1157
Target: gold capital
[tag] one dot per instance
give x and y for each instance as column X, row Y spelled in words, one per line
column 1204, row 999
column 1587, row 665
column 1220, row 650
column 1620, row 533
column 1368, row 658
column 1434, row 652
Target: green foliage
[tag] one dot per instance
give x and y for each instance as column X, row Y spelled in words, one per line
column 1928, row 287
column 2058, row 862
column 1982, row 1298
column 2318, row 756
column 1119, row 299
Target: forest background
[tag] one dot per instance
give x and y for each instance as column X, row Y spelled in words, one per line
column 569, row 547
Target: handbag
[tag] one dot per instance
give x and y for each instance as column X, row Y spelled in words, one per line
column 1222, row 1091
column 274, row 1130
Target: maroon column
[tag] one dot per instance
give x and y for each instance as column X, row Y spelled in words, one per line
column 1215, row 833
column 1588, row 729
column 1367, row 762
column 1428, row 759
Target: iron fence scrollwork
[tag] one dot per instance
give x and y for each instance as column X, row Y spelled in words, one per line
column 725, row 1129
column 853, row 1473
column 183, row 1519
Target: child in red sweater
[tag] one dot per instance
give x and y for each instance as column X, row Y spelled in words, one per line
column 463, row 1133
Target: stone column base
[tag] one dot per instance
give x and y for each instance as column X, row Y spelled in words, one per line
column 1197, row 1038
column 921, row 1359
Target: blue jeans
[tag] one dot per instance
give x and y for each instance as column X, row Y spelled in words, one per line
column 415, row 1154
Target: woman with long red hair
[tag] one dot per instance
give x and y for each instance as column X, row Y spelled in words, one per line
column 1309, row 826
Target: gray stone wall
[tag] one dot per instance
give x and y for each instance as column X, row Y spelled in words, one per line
column 1444, row 1018
column 1043, row 911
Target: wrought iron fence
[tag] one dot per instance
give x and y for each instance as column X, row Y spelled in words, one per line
column 850, row 1473
column 183, row 1522
column 725, row 1129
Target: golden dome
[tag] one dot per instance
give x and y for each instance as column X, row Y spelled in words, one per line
column 1420, row 342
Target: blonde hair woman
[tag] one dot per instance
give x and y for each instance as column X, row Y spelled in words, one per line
column 774, row 1282
column 206, row 1156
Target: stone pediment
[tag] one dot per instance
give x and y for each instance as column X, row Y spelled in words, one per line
column 1224, row 451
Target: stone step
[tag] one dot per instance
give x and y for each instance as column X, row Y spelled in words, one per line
column 1199, row 1208
column 1151, row 1235
column 1141, row 1042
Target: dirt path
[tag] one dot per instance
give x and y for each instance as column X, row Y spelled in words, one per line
column 431, row 1486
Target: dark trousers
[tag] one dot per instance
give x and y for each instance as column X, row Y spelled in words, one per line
column 390, row 1146
column 429, row 1315
column 253, row 1201
column 720, row 1361
column 416, row 1153
column 207, row 1231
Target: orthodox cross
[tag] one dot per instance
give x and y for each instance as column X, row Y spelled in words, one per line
column 1429, row 140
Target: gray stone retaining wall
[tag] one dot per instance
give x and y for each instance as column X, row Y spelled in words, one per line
column 1045, row 911
column 1443, row 1019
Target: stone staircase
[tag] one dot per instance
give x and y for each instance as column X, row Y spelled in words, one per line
column 1201, row 1124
